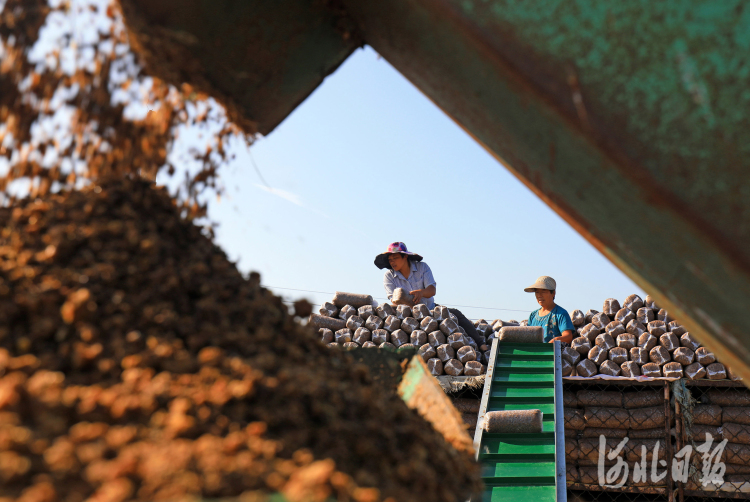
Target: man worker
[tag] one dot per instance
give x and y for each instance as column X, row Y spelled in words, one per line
column 554, row 319
column 406, row 270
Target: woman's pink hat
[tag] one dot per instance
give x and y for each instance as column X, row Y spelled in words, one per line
column 381, row 260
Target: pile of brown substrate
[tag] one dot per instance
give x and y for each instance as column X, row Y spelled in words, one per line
column 137, row 363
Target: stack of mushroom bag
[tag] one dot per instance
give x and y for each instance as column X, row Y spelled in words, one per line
column 724, row 413
column 637, row 338
column 434, row 334
column 635, row 413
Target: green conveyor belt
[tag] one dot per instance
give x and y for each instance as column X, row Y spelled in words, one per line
column 521, row 376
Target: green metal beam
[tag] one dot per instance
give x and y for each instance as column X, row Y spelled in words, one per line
column 630, row 119
column 267, row 55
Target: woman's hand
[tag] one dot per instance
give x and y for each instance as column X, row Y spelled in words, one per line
column 403, row 302
column 418, row 295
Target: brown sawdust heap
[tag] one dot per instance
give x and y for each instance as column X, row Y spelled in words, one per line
column 137, row 363
column 170, row 56
column 102, row 141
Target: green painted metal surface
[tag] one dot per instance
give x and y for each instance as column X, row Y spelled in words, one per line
column 519, row 466
column 520, row 378
column 412, row 379
column 509, row 470
column 533, row 366
column 519, row 494
column 531, row 392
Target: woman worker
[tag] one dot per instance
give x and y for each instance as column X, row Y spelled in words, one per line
column 554, row 319
column 406, row 270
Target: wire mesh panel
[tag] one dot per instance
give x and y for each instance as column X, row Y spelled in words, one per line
column 467, row 401
column 713, row 424
column 618, row 441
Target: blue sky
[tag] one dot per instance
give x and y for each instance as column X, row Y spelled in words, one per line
column 366, row 160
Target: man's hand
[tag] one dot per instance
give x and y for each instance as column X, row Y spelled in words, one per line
column 484, row 348
column 418, row 294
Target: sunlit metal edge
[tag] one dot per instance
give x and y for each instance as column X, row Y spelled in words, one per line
column 560, row 469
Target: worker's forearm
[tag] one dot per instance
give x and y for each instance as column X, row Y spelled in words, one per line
column 566, row 337
column 429, row 291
